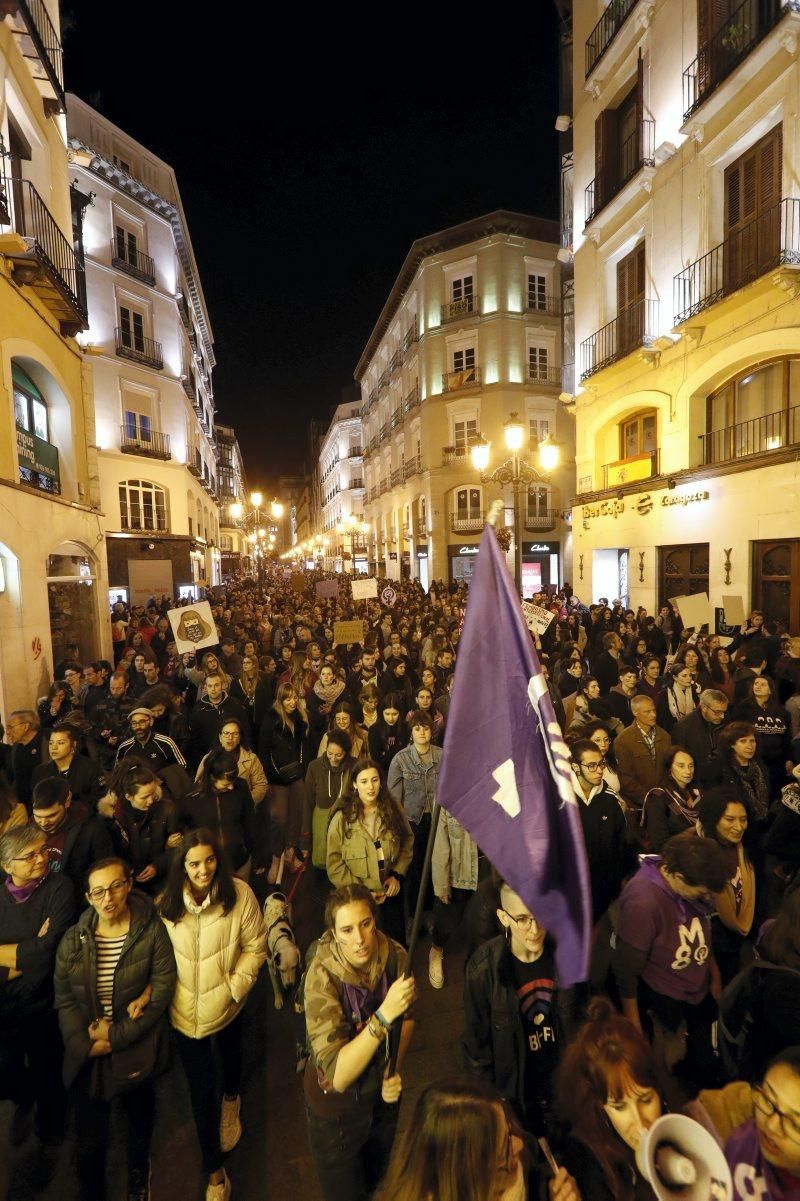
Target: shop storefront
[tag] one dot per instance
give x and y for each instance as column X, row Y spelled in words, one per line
column 461, row 559
column 421, row 555
column 540, row 566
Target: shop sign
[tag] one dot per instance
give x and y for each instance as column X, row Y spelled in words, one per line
column 643, row 505
column 468, row 550
column 422, row 552
column 540, row 548
column 37, row 455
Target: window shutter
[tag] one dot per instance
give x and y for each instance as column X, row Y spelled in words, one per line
column 606, row 155
column 640, row 108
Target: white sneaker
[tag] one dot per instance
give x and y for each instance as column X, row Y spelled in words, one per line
column 436, row 967
column 230, row 1126
column 272, row 874
column 219, row 1192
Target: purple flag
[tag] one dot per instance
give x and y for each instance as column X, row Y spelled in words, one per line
column 505, row 770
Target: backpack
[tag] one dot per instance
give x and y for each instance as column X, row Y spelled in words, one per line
column 738, row 1009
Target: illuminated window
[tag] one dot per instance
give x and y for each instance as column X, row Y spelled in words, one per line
column 142, row 505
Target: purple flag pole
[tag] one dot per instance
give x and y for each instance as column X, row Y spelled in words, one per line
column 506, row 774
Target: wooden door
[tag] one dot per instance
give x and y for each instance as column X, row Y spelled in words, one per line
column 776, row 580
column 682, row 570
column 630, row 300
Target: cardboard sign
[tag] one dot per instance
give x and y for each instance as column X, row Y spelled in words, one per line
column 389, row 596
column 537, row 618
column 734, row 611
column 345, row 633
column 695, row 611
column 298, row 582
column 365, row 589
column 328, row 588
column 193, row 627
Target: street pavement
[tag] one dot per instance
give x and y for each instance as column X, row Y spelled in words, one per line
column 272, row 1161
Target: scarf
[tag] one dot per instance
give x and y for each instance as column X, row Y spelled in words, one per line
column 755, row 787
column 23, row 892
column 681, row 701
column 328, row 693
column 248, row 686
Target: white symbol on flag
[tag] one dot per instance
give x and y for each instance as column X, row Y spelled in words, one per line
column 507, row 796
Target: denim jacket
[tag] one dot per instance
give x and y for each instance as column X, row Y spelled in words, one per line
column 412, row 784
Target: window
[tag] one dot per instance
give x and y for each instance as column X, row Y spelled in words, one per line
column 138, row 427
column 468, row 503
column 126, row 245
column 753, row 211
column 464, row 431
column 461, row 289
column 464, row 360
column 539, row 362
column 30, row 410
column 537, row 291
column 539, row 428
column 623, row 142
column 121, row 163
column 142, row 505
column 538, row 501
column 631, row 300
column 131, row 325
column 757, row 411
column 638, row 435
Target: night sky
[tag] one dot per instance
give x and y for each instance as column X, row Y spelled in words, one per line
column 310, row 153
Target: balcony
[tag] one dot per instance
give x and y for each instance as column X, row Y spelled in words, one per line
column 196, row 470
column 356, row 483
column 397, row 418
column 467, row 525
column 454, row 454
column 455, row 381
column 355, row 452
column 755, row 437
column 457, row 310
column 396, row 362
column 373, row 443
column 383, row 486
column 38, row 463
column 183, row 309
column 139, row 349
column 410, row 337
column 152, row 443
column 384, row 380
column 635, row 327
column 412, row 466
column 605, row 31
column 551, row 305
column 42, row 257
column 40, row 45
column 396, row 476
column 635, row 467
column 421, row 528
column 384, row 431
column 544, row 375
column 133, row 262
column 730, row 45
column 412, row 399
column 373, row 493
column 541, row 521
column 636, row 152
column 770, row 240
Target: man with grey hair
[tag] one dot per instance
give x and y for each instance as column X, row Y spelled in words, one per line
column 698, row 732
column 24, row 734
column 641, row 751
column 36, row 908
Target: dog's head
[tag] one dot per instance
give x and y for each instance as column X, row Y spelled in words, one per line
column 287, row 962
column 276, row 907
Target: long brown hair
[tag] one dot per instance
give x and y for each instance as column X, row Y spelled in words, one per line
column 449, row 1150
column 603, row 1060
column 353, row 810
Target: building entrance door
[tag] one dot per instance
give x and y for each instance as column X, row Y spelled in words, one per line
column 776, row 580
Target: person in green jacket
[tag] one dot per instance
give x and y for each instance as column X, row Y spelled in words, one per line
column 120, row 946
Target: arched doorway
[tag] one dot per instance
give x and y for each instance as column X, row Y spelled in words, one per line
column 71, row 595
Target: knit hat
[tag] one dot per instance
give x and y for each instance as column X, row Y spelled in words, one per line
column 141, row 709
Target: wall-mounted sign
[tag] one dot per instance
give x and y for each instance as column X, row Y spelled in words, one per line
column 467, row 550
column 540, row 548
column 643, row 505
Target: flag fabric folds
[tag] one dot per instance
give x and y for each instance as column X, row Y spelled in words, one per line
column 505, row 772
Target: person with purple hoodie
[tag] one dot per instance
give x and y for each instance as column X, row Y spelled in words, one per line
column 764, row 1153
column 663, row 962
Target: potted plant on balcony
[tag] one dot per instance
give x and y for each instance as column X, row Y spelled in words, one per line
column 735, row 36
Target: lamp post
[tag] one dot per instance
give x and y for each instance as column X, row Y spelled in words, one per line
column 261, row 537
column 351, row 527
column 515, row 472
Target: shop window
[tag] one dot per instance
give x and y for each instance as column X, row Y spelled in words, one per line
column 142, row 505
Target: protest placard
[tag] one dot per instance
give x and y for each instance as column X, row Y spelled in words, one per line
column 347, row 632
column 537, row 618
column 327, row 588
column 695, row 611
column 365, row 589
column 734, row 611
column 193, row 628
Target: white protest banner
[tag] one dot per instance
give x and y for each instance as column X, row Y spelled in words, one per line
column 193, row 627
column 365, row 589
column 695, row 611
column 537, row 618
column 734, row 611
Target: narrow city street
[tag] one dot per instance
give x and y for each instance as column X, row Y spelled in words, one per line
column 272, row 1161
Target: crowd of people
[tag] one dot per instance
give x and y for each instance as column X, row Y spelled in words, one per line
column 146, row 803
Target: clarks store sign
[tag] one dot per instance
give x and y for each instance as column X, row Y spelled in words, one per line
column 642, row 505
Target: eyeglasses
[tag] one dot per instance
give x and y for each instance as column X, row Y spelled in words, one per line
column 595, row 765
column 764, row 1104
column 41, row 853
column 97, row 894
column 525, row 921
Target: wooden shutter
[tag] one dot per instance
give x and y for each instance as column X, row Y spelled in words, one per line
column 630, row 300
column 752, row 210
column 606, row 154
column 640, row 107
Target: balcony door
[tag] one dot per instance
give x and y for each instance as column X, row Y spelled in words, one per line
column 753, row 211
column 630, row 300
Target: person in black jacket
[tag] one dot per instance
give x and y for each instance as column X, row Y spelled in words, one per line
column 389, row 734
column 606, row 665
column 771, row 723
column 284, row 752
column 36, row 907
column 82, row 774
column 514, row 1035
column 699, row 734
column 25, row 736
column 208, row 715
column 75, row 838
column 222, row 803
column 142, row 823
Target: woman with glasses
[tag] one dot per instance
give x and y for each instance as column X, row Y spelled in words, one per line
column 764, row 1152
column 217, row 931
column 670, row 808
column 599, row 733
column 221, row 802
column 247, row 761
column 460, row 1145
column 36, row 908
column 115, row 976
column 517, row 1021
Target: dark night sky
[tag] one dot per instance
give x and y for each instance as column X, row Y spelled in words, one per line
column 309, row 157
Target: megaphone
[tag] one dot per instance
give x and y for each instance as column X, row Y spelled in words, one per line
column 683, row 1162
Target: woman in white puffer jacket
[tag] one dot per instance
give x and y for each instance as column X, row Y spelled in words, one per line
column 217, row 932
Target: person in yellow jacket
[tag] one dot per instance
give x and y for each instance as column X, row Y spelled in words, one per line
column 370, row 842
column 217, row 932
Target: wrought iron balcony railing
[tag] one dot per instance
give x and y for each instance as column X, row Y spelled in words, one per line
column 467, row 525
column 49, row 56
column 412, row 399
column 635, row 326
column 637, row 151
column 457, row 310
column 773, row 431
column 543, row 519
column 468, row 377
column 605, row 31
column 636, row 467
column 137, row 347
column 412, row 466
column 152, row 443
column 544, row 375
column 133, row 262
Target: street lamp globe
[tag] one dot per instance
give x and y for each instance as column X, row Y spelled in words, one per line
column 340, row 528
column 514, row 433
column 549, row 453
column 252, row 539
column 479, row 452
column 276, row 509
column 364, row 527
column 262, row 533
column 236, row 510
column 256, row 499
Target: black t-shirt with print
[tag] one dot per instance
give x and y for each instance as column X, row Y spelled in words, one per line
column 534, row 984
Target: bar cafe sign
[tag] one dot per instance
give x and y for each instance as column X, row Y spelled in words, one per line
column 642, row 505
